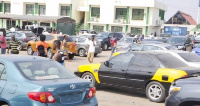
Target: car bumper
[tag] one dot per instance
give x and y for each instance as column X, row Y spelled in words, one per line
column 172, row 101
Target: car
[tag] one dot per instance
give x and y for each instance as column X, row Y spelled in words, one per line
column 164, row 36
column 184, row 92
column 38, row 81
column 181, row 42
column 82, row 45
column 104, row 38
column 150, row 72
column 72, row 46
column 23, row 36
column 125, row 41
column 196, row 49
column 145, row 47
column 197, row 39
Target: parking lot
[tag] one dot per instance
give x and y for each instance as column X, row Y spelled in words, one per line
column 110, row 96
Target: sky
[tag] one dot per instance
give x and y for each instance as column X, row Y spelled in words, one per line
column 187, row 6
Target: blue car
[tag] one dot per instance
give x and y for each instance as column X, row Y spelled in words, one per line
column 197, row 49
column 37, row 81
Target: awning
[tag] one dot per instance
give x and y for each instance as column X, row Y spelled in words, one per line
column 195, row 29
column 30, row 17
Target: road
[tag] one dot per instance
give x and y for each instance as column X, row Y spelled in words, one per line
column 110, row 96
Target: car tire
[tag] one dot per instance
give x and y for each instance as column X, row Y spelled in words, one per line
column 155, row 91
column 20, row 47
column 49, row 53
column 105, row 47
column 30, row 50
column 95, row 54
column 71, row 56
column 90, row 77
column 82, row 52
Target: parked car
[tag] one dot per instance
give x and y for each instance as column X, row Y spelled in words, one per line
column 196, row 49
column 181, row 42
column 150, row 72
column 33, row 80
column 104, row 38
column 82, row 45
column 72, row 46
column 197, row 39
column 23, row 36
column 184, row 92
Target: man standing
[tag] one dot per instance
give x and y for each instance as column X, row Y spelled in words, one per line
column 3, row 43
column 64, row 46
column 59, row 55
column 113, row 42
column 91, row 50
column 14, row 44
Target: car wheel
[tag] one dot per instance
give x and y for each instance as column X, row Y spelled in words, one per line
column 19, row 47
column 95, row 54
column 82, row 52
column 105, row 47
column 88, row 76
column 155, row 92
column 49, row 53
column 30, row 50
column 71, row 56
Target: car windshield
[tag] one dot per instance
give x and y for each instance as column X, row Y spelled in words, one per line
column 102, row 34
column 127, row 40
column 69, row 39
column 197, row 38
column 165, row 35
column 190, row 57
column 30, row 34
column 170, row 61
column 176, row 40
column 43, row 70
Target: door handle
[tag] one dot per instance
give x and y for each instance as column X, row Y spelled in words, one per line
column 149, row 72
column 122, row 70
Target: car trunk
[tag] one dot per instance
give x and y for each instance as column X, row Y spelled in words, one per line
column 191, row 71
column 66, row 91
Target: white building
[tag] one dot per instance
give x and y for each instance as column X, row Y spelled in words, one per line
column 135, row 16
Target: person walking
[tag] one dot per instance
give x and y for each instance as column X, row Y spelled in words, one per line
column 3, row 43
column 64, row 46
column 14, row 44
column 113, row 42
column 59, row 55
column 91, row 49
column 41, row 46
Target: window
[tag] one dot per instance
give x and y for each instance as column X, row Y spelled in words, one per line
column 149, row 48
column 144, row 61
column 0, row 7
column 136, row 48
column 65, row 11
column 42, row 9
column 10, row 23
column 137, row 14
column 162, row 14
column 97, row 28
column 121, row 13
column 29, row 8
column 7, row 7
column 136, row 31
column 116, row 29
column 95, row 12
column 2, row 72
column 44, row 24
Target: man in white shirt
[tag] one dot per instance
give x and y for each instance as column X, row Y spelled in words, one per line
column 91, row 50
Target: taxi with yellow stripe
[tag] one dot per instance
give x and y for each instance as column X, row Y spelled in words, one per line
column 150, row 72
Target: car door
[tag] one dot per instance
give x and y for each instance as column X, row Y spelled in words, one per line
column 2, row 76
column 141, row 70
column 115, row 72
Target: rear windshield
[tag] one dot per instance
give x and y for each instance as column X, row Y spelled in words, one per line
column 171, row 48
column 43, row 70
column 69, row 39
column 30, row 34
column 170, row 61
column 103, row 34
column 176, row 40
column 190, row 57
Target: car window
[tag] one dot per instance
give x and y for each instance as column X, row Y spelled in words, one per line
column 149, row 47
column 190, row 57
column 176, row 40
column 111, row 35
column 49, row 37
column 144, row 61
column 18, row 35
column 2, row 72
column 40, row 70
column 171, row 48
column 9, row 34
column 121, row 60
column 188, row 40
column 30, row 34
column 136, row 47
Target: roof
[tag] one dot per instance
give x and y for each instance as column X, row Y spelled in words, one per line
column 188, row 18
column 16, row 58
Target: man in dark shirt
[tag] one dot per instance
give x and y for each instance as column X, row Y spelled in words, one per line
column 14, row 44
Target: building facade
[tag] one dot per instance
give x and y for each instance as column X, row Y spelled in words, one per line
column 136, row 16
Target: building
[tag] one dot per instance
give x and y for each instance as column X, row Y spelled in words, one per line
column 181, row 19
column 136, row 17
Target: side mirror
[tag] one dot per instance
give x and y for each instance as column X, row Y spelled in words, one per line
column 106, row 63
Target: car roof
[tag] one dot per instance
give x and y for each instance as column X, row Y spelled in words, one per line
column 179, row 36
column 159, row 44
column 17, row 58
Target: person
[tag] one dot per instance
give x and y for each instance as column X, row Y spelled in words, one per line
column 151, row 36
column 113, row 42
column 60, row 32
column 155, row 35
column 54, row 31
column 64, row 46
column 3, row 43
column 59, row 55
column 91, row 49
column 41, row 46
column 14, row 44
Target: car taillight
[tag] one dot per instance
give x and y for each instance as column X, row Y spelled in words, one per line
column 44, row 97
column 92, row 92
column 25, row 39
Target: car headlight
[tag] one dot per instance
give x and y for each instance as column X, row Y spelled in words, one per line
column 100, row 40
column 180, row 47
column 174, row 89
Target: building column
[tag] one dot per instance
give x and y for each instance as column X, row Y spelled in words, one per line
column 70, row 10
column 88, row 26
column 1, row 23
column 126, row 28
column 107, row 26
column 53, row 24
column 127, row 15
column 89, row 13
column 146, row 30
column 18, row 22
column 147, row 16
column 2, row 6
column 35, row 22
column 36, row 8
